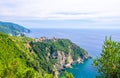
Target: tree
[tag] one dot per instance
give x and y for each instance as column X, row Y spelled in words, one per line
column 108, row 64
column 65, row 74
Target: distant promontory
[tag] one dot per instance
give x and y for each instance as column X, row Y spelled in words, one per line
column 13, row 29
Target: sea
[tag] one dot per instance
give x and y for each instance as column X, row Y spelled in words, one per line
column 89, row 39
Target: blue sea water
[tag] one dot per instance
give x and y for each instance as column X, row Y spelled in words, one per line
column 89, row 39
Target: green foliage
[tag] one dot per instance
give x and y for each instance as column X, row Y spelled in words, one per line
column 65, row 74
column 11, row 28
column 16, row 61
column 41, row 51
column 11, row 65
column 48, row 76
column 108, row 64
column 45, row 49
column 22, row 57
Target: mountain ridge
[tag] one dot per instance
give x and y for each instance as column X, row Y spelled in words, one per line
column 13, row 29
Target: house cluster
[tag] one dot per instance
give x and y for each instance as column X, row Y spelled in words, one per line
column 45, row 39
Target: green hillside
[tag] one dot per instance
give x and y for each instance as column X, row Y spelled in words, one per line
column 16, row 61
column 23, row 57
column 12, row 29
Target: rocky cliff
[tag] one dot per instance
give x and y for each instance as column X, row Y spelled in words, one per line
column 61, row 53
column 37, row 58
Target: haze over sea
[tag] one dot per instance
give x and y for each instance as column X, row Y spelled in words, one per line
column 89, row 39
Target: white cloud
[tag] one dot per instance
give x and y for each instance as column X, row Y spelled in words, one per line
column 95, row 10
column 44, row 8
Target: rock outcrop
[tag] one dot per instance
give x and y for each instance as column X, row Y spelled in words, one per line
column 61, row 53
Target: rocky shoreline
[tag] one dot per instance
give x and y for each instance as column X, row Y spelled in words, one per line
column 79, row 61
column 64, row 59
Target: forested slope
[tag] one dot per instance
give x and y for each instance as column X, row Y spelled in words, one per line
column 23, row 57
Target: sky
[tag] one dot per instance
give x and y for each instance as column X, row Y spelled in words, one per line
column 62, row 13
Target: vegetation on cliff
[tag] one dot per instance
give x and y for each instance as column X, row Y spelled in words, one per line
column 65, row 74
column 55, row 54
column 108, row 64
column 24, row 57
column 12, row 29
column 16, row 61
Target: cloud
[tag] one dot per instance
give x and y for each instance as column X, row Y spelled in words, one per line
column 45, row 8
column 102, row 11
column 74, row 13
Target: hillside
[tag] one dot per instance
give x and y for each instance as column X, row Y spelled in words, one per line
column 16, row 61
column 12, row 29
column 58, row 53
column 23, row 57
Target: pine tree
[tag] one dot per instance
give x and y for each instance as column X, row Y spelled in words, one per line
column 108, row 64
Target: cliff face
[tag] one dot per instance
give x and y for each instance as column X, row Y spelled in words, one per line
column 41, row 58
column 60, row 53
column 65, row 61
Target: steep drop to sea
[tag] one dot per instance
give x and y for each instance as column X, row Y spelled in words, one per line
column 89, row 39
